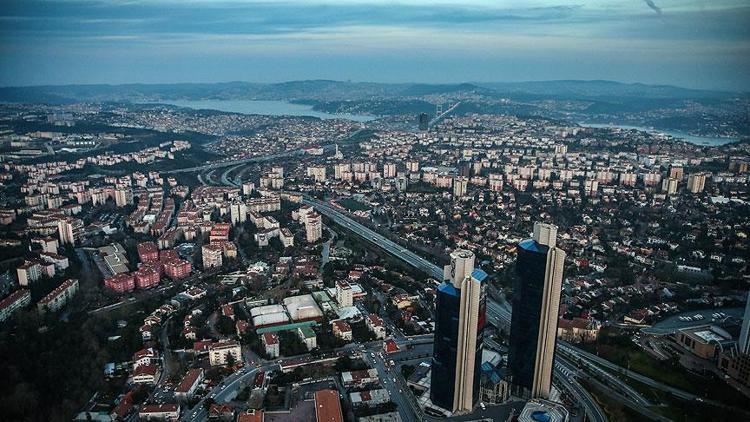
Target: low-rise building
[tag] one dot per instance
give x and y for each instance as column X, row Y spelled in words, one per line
column 271, row 343
column 328, row 406
column 160, row 412
column 57, row 298
column 13, row 302
column 146, row 374
column 307, row 335
column 342, row 330
column 376, row 325
column 219, row 353
column 189, row 383
column 359, row 378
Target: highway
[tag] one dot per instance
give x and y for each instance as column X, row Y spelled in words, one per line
column 498, row 313
column 564, row 374
column 232, row 163
column 389, row 246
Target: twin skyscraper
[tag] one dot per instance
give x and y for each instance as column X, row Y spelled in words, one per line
column 460, row 321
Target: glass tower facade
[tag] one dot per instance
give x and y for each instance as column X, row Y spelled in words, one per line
column 448, row 352
column 528, row 289
column 447, row 305
column 536, row 304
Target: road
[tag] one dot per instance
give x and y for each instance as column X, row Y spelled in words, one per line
column 232, row 163
column 498, row 313
column 564, row 374
column 389, row 246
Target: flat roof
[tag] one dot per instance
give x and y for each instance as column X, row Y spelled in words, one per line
column 328, row 406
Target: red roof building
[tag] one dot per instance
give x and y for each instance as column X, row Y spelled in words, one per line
column 328, row 406
column 148, row 252
column 121, row 283
column 177, row 268
column 147, row 277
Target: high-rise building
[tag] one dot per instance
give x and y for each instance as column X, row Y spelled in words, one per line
column 536, row 302
column 696, row 182
column 744, row 345
column 669, row 185
column 238, row 212
column 457, row 354
column 459, row 186
column 389, row 170
column 424, row 121
column 313, row 227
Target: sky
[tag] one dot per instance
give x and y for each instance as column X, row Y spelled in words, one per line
column 690, row 43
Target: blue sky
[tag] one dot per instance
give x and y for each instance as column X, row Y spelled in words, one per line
column 693, row 43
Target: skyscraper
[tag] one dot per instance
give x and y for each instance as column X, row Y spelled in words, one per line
column 424, row 121
column 457, row 355
column 744, row 344
column 536, row 301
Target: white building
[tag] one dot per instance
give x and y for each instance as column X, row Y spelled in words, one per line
column 271, row 343
column 313, row 227
column 344, row 294
column 218, row 353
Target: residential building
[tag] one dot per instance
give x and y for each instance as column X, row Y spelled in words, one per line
column 744, row 340
column 342, row 330
column 219, row 353
column 189, row 383
column 146, row 374
column 307, row 335
column 271, row 343
column 159, row 412
column 344, row 294
column 212, row 255
column 696, row 182
column 121, row 283
column 13, row 302
column 28, row 273
column 58, row 297
column 313, row 227
column 376, row 325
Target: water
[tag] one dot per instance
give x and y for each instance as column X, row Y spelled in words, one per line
column 267, row 108
column 693, row 139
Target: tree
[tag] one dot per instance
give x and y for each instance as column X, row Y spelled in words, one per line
column 225, row 325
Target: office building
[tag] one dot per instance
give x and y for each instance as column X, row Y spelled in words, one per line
column 424, row 121
column 536, row 301
column 460, row 319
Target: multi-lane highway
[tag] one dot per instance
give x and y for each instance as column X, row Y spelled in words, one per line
column 232, row 163
column 498, row 313
column 369, row 235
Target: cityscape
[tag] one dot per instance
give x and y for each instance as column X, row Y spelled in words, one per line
column 546, row 248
